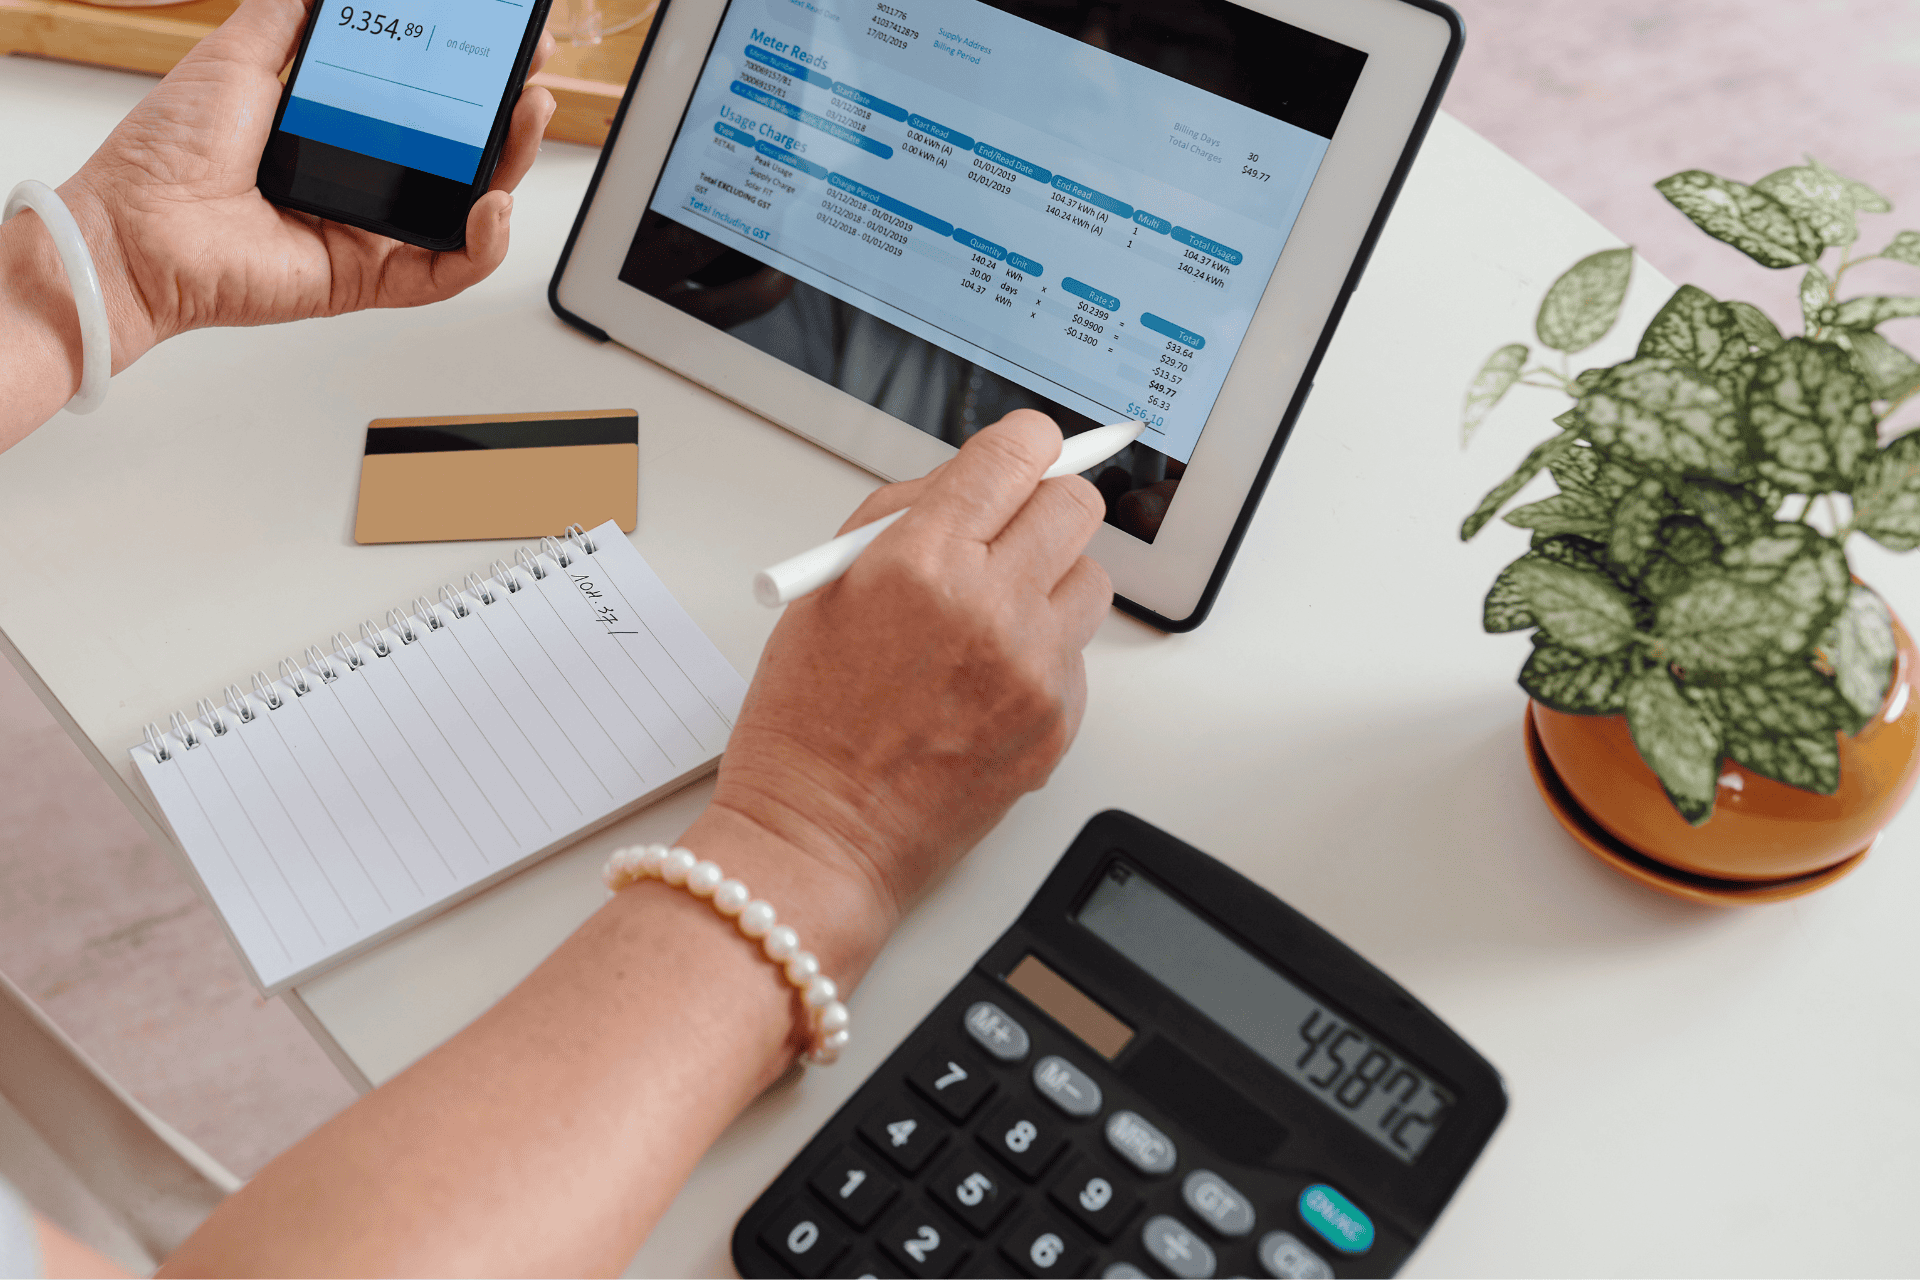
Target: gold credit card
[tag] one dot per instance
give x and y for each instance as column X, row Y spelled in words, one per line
column 498, row 475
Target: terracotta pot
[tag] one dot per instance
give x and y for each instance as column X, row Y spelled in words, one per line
column 1761, row 830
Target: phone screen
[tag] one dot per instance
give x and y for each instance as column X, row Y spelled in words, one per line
column 418, row 86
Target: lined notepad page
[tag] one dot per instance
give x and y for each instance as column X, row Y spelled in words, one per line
column 496, row 727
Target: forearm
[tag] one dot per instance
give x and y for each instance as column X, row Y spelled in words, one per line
column 549, row 1136
column 39, row 330
column 40, row 352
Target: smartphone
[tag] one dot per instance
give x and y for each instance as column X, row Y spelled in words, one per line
column 393, row 117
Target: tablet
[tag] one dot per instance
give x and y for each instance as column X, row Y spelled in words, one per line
column 883, row 224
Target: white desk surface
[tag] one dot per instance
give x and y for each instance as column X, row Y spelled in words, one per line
column 1694, row 1091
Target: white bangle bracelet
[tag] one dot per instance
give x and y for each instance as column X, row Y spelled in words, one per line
column 96, row 339
column 827, row 1017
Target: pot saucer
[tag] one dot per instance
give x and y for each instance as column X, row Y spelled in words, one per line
column 1635, row 865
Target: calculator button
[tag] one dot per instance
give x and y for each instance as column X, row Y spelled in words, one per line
column 1097, row 1195
column 1066, row 1086
column 853, row 1183
column 1285, row 1258
column 1122, row 1271
column 904, row 1133
column 923, row 1242
column 1176, row 1246
column 1043, row 1246
column 975, row 1190
column 803, row 1237
column 997, row 1033
column 1217, row 1203
column 1338, row 1220
column 1139, row 1143
column 1023, row 1135
column 951, row 1084
column 865, row 1266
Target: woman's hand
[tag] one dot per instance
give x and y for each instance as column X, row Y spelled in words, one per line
column 894, row 718
column 183, row 239
column 897, row 714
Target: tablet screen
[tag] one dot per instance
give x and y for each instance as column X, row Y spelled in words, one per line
column 951, row 209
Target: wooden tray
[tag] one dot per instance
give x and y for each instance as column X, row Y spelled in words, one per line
column 586, row 81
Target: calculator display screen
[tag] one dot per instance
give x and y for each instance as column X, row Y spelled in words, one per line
column 1344, row 1065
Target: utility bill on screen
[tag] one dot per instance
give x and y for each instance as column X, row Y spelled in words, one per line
column 1085, row 226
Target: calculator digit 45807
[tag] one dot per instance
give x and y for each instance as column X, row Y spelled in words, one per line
column 1160, row 1069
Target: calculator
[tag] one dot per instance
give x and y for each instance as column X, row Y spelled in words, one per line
column 1160, row 1069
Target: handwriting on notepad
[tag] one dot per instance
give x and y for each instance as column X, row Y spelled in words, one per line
column 443, row 758
column 603, row 614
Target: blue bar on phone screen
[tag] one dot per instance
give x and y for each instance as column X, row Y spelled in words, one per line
column 381, row 139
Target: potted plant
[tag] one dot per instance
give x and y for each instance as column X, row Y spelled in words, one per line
column 1709, row 682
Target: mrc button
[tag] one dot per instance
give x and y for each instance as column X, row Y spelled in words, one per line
column 1336, row 1218
column 995, row 1032
column 1139, row 1143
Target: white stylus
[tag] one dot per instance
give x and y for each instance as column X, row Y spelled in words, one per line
column 809, row 571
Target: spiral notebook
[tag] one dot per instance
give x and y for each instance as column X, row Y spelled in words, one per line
column 383, row 777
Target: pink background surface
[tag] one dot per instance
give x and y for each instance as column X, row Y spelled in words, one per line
column 1600, row 97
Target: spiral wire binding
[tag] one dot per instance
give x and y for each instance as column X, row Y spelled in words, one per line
column 183, row 730
column 296, row 677
column 426, row 611
column 348, row 652
column 317, row 659
column 211, row 717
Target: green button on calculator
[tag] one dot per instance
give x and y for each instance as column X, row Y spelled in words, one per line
column 1160, row 1070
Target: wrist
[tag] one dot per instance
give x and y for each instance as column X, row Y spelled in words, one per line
column 39, row 326
column 780, row 1014
column 132, row 323
column 827, row 899
column 40, row 320
column 810, row 803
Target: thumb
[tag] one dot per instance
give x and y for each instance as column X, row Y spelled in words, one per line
column 489, row 225
column 414, row 277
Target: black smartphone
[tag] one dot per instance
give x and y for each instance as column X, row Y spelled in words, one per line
column 394, row 118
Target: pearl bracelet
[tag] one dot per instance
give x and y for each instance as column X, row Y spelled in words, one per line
column 826, row 1014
